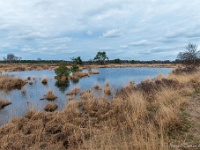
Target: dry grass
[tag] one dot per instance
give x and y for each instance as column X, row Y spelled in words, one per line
column 8, row 83
column 23, row 90
column 51, row 107
column 81, row 74
column 74, row 91
column 50, row 96
column 107, row 89
column 44, row 81
column 4, row 104
column 142, row 117
column 97, row 87
column 94, row 72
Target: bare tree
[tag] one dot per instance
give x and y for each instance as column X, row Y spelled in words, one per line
column 11, row 57
column 190, row 57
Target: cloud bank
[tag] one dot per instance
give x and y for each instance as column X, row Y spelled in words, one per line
column 134, row 29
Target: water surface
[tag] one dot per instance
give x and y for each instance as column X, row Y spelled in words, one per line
column 22, row 102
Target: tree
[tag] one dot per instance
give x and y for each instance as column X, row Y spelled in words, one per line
column 77, row 60
column 190, row 57
column 117, row 61
column 74, row 68
column 11, row 57
column 101, row 57
column 62, row 70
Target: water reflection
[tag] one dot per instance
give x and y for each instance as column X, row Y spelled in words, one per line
column 62, row 86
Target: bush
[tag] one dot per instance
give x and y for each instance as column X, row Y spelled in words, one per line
column 62, row 70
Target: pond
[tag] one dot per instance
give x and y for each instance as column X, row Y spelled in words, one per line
column 30, row 99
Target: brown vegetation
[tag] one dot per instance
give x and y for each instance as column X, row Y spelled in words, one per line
column 44, row 81
column 51, row 107
column 97, row 87
column 80, row 74
column 74, row 91
column 146, row 116
column 8, row 83
column 107, row 89
column 50, row 96
column 4, row 104
column 94, row 72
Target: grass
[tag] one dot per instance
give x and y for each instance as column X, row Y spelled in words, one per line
column 50, row 96
column 143, row 116
column 4, row 104
column 107, row 89
column 44, row 81
column 51, row 107
column 74, row 91
column 97, row 87
column 8, row 83
column 94, row 72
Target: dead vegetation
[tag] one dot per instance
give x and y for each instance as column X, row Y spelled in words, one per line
column 8, row 83
column 74, row 91
column 50, row 96
column 51, row 107
column 44, row 81
column 4, row 104
column 143, row 116
column 97, row 87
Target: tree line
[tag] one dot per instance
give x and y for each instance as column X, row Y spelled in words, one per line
column 190, row 57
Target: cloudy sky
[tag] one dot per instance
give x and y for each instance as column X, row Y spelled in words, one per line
column 125, row 29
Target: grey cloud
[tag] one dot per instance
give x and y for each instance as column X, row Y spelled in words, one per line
column 112, row 33
column 140, row 43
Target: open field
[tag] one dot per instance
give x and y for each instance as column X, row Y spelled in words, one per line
column 154, row 114
column 10, row 67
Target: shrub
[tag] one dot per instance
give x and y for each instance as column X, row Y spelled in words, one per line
column 62, row 70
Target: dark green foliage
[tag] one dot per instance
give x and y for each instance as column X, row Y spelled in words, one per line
column 132, row 61
column 62, row 70
column 77, row 60
column 101, row 57
column 117, row 61
column 74, row 68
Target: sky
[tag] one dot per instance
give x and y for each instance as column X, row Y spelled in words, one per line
column 125, row 29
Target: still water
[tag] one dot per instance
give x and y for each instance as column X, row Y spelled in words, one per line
column 22, row 102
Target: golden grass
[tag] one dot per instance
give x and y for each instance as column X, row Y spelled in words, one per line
column 8, row 83
column 142, row 117
column 74, row 91
column 94, row 72
column 80, row 74
column 4, row 104
column 50, row 96
column 51, row 107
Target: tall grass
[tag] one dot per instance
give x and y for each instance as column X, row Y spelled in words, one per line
column 142, row 116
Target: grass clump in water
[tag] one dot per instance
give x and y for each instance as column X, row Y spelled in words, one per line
column 4, row 104
column 51, row 107
column 50, row 96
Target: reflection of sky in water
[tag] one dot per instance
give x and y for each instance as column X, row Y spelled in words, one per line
column 117, row 77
